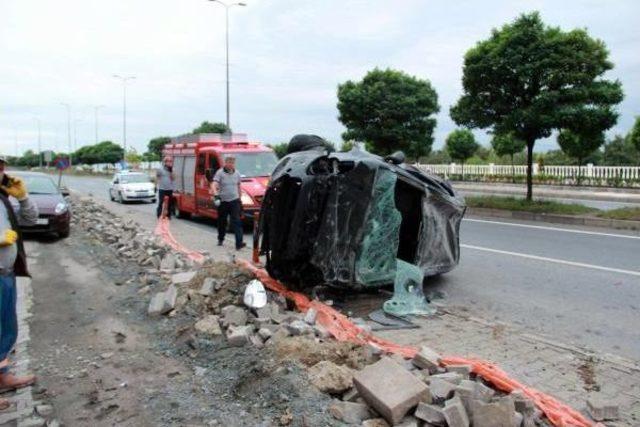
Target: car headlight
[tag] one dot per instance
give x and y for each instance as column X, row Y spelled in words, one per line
column 246, row 199
column 61, row 208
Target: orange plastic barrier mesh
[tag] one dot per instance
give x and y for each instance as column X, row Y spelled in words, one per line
column 164, row 231
column 343, row 329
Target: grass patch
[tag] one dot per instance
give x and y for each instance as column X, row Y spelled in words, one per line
column 629, row 214
column 536, row 206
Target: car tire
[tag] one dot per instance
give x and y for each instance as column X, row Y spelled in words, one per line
column 120, row 199
column 111, row 196
column 64, row 233
column 183, row 214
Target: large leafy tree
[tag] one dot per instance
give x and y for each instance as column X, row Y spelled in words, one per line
column 461, row 145
column 531, row 79
column 620, row 152
column 508, row 145
column 103, row 152
column 390, row 110
column 156, row 145
column 634, row 136
column 579, row 146
column 208, row 127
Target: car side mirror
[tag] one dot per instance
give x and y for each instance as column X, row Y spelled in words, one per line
column 65, row 192
column 208, row 173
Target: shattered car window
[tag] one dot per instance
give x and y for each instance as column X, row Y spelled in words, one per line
column 348, row 219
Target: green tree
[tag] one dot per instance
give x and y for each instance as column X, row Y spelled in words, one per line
column 280, row 149
column 620, row 152
column 634, row 136
column 132, row 157
column 579, row 146
column 347, row 146
column 438, row 157
column 461, row 145
column 156, row 145
column 208, row 127
column 530, row 79
column 508, row 145
column 391, row 111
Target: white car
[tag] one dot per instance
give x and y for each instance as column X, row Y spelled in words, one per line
column 132, row 186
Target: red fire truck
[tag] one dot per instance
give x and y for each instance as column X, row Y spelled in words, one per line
column 196, row 158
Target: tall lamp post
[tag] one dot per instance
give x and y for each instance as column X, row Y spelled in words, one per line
column 124, row 80
column 227, row 6
column 68, row 129
column 96, row 108
column 39, row 142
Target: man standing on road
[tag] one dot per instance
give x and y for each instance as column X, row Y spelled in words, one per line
column 13, row 262
column 226, row 190
column 165, row 179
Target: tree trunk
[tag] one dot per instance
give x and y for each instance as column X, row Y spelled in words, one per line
column 513, row 170
column 530, row 169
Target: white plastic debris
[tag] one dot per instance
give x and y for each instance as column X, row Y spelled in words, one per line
column 255, row 296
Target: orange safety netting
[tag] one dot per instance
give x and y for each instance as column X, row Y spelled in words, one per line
column 164, row 231
column 343, row 329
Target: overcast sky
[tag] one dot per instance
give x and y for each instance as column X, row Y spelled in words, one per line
column 287, row 58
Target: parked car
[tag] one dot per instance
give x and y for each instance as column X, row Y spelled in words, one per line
column 54, row 210
column 132, row 186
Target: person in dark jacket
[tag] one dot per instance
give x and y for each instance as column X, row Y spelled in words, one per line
column 13, row 262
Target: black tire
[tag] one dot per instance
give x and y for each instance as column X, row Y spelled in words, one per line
column 111, row 196
column 183, row 214
column 120, row 199
column 64, row 233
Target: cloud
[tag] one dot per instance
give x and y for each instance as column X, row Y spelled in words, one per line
column 287, row 58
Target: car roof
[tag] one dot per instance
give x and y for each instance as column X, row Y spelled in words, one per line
column 27, row 173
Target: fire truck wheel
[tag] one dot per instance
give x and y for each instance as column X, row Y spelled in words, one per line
column 183, row 214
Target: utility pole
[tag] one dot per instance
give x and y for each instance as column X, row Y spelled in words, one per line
column 227, row 7
column 68, row 130
column 39, row 143
column 124, row 80
column 95, row 111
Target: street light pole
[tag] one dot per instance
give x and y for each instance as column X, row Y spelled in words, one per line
column 39, row 143
column 227, row 7
column 124, row 80
column 68, row 130
column 75, row 133
column 95, row 111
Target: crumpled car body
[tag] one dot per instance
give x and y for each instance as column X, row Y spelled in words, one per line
column 345, row 219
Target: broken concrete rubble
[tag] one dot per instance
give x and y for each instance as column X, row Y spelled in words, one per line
column 390, row 389
column 330, row 378
column 209, row 325
column 602, row 409
column 428, row 359
column 350, row 412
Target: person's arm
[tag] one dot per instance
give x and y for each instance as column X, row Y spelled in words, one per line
column 215, row 184
column 28, row 214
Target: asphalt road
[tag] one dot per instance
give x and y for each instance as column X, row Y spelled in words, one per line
column 578, row 285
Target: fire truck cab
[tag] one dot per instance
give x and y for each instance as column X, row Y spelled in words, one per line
column 196, row 158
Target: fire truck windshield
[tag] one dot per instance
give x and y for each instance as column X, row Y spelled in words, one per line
column 254, row 164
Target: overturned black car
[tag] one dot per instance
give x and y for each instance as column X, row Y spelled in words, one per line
column 349, row 219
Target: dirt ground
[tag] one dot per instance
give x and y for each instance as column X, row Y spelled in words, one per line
column 102, row 362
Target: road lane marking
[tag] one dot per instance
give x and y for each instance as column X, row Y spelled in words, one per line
column 554, row 260
column 541, row 227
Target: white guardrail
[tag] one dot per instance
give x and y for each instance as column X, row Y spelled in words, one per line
column 587, row 171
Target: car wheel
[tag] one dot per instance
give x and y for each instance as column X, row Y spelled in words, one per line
column 120, row 199
column 183, row 214
column 64, row 233
column 111, row 196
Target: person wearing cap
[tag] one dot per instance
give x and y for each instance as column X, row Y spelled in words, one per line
column 165, row 179
column 13, row 262
column 226, row 190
